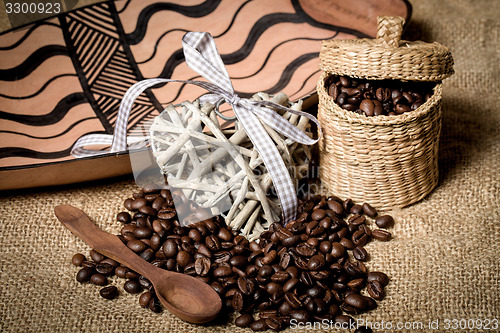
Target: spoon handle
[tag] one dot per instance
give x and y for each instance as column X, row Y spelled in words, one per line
column 105, row 243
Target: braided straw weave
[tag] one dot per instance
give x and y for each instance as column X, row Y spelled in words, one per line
column 388, row 161
column 387, row 57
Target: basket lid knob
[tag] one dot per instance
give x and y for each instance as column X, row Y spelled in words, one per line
column 389, row 30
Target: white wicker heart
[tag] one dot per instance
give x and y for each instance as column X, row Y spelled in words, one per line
column 211, row 161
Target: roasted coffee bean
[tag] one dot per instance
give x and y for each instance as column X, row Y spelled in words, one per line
column 246, row 285
column 138, row 203
column 315, row 292
column 121, row 271
column 142, row 232
column 300, row 316
column 213, row 243
column 290, row 284
column 109, row 292
column 380, row 277
column 104, row 269
column 84, row 274
column 356, row 300
column 128, row 204
column 367, row 107
column 383, row 94
column 360, row 238
column 225, row 235
column 381, row 235
column 145, row 298
column 145, row 283
column 270, row 257
column 375, row 290
column 147, row 210
column 316, row 263
column 123, row 217
column 305, row 250
column 136, row 245
column 369, row 210
column 298, row 271
column 343, row 320
column 401, row 108
column 333, row 91
column 384, row 221
column 169, row 248
column 318, row 214
column 356, row 283
column 167, row 213
column 96, row 256
column 131, row 275
column 357, row 209
column 338, row 250
column 274, row 323
column 347, row 243
column 291, row 241
column 223, row 271
column 363, row 329
column 132, row 287
column 259, row 325
column 203, row 249
column 238, row 301
column 100, row 280
column 110, row 262
column 345, row 81
column 154, row 306
column 325, row 246
column 360, row 253
column 280, row 277
column 202, row 266
column 78, row 259
column 183, row 258
column 336, row 207
column 244, row 320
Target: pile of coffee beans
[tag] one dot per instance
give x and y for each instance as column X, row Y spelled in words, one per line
column 377, row 97
column 311, row 270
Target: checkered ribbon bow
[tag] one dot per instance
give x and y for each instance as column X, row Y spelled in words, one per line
column 202, row 56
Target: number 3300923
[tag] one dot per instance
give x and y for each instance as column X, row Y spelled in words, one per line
column 32, row 8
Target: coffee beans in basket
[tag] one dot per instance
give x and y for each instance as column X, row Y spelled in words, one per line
column 377, row 97
column 311, row 270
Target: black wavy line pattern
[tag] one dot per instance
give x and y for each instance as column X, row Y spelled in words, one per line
column 304, row 83
column 124, row 7
column 52, row 136
column 272, row 51
column 286, row 75
column 298, row 9
column 27, row 34
column 185, row 30
column 29, row 153
column 39, row 90
column 158, row 42
column 32, row 62
column 59, row 111
column 200, row 10
column 257, row 30
column 233, row 19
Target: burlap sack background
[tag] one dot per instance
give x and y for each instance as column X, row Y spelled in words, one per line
column 443, row 261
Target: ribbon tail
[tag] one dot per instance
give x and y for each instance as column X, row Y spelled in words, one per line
column 281, row 125
column 272, row 160
column 80, row 151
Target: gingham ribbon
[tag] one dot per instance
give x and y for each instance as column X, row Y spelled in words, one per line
column 202, row 56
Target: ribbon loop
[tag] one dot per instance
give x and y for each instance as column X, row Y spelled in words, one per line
column 202, row 56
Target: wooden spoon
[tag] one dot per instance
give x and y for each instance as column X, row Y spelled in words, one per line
column 186, row 297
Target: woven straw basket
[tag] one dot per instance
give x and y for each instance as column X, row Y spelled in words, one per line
column 388, row 161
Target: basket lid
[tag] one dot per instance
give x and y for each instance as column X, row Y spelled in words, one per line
column 387, row 56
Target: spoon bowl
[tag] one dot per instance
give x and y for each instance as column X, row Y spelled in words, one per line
column 184, row 296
